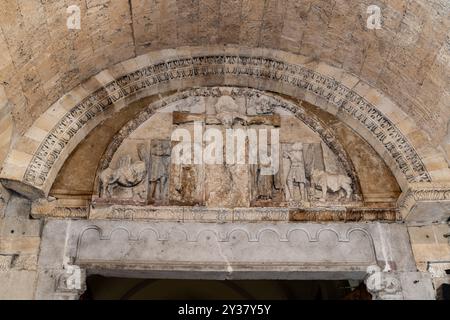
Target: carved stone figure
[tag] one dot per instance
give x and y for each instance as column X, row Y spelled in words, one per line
column 128, row 174
column 383, row 285
column 4, row 198
column 264, row 107
column 264, row 187
column 331, row 182
column 159, row 169
column 71, row 281
column 296, row 175
column 446, row 144
column 228, row 111
column 186, row 181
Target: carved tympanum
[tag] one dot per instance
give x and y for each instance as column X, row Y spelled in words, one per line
column 296, row 162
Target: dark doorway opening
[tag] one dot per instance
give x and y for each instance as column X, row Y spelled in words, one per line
column 112, row 288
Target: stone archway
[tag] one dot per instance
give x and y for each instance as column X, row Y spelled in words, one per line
column 34, row 161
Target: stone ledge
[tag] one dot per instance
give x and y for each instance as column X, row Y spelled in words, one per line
column 425, row 203
column 80, row 209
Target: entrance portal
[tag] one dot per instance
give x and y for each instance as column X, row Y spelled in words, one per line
column 105, row 288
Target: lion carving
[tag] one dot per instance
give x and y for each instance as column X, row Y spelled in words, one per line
column 332, row 182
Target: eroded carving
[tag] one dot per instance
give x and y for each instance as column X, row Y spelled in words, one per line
column 335, row 93
column 221, row 184
column 383, row 285
column 265, row 186
column 228, row 112
column 331, row 182
column 159, row 171
column 445, row 145
column 4, row 198
column 71, row 280
column 296, row 176
column 128, row 174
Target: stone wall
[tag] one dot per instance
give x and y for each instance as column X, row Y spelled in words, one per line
column 19, row 250
column 408, row 58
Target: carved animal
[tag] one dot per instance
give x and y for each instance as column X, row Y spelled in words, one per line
column 332, row 182
column 127, row 175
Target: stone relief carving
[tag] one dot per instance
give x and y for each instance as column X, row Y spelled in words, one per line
column 445, row 145
column 186, row 185
column 4, row 198
column 68, row 208
column 228, row 185
column 305, row 175
column 331, row 182
column 159, row 170
column 296, row 176
column 228, row 112
column 354, row 105
column 71, row 280
column 253, row 214
column 309, row 119
column 263, row 106
column 128, row 174
column 266, row 187
column 383, row 285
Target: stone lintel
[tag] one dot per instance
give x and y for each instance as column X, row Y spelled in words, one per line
column 81, row 209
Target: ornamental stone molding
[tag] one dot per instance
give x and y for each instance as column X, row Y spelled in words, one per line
column 425, row 203
column 80, row 209
column 33, row 163
column 302, row 251
column 242, row 246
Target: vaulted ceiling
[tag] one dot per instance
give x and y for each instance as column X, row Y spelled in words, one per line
column 408, row 58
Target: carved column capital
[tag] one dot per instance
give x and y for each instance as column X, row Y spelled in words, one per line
column 383, row 285
column 71, row 282
column 424, row 196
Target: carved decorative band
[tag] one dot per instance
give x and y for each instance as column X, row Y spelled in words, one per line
column 71, row 209
column 215, row 245
column 60, row 209
column 422, row 192
column 337, row 94
column 221, row 235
